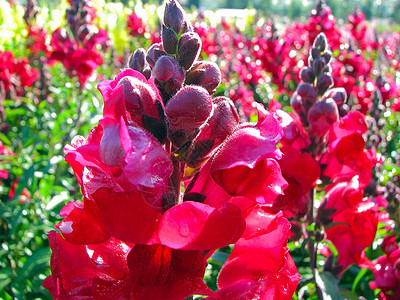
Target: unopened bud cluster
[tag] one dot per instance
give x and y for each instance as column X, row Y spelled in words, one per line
column 188, row 117
column 79, row 18
column 313, row 100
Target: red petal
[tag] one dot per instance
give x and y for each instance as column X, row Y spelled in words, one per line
column 196, row 226
column 127, row 216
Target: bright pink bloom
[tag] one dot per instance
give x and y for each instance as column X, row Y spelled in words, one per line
column 355, row 232
column 130, row 95
column 117, row 270
column 245, row 164
column 301, row 171
column 15, row 74
column 260, row 266
column 347, row 156
column 387, row 275
column 37, row 40
column 78, row 60
column 135, row 25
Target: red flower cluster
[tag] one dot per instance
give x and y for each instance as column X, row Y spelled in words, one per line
column 79, row 54
column 168, row 176
column 38, row 41
column 135, row 25
column 387, row 270
column 322, row 20
column 319, row 144
column 15, row 75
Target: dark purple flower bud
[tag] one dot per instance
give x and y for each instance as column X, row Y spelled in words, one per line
column 137, row 60
column 169, row 40
column 188, row 110
column 321, row 116
column 139, row 98
column 83, row 32
column 307, row 92
column 327, row 69
column 224, row 120
column 154, row 52
column 188, row 49
column 307, row 75
column 206, row 74
column 174, row 16
column 337, row 94
column 187, row 26
column 320, row 42
column 315, row 53
column 147, row 72
column 327, row 55
column 167, row 68
column 84, row 13
column 324, row 82
column 317, row 65
column 297, row 104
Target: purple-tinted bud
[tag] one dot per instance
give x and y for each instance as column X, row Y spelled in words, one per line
column 307, row 92
column 154, row 53
column 188, row 49
column 84, row 13
column 337, row 94
column 327, row 55
column 321, row 116
column 137, row 60
column 297, row 104
column 221, row 124
column 169, row 40
column 167, row 68
column 83, row 32
column 187, row 26
column 147, row 72
column 324, row 82
column 320, row 42
column 206, row 74
column 174, row 16
column 317, row 65
column 139, row 98
column 315, row 53
column 327, row 69
column 188, row 110
column 307, row 75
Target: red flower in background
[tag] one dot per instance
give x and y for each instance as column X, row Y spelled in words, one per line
column 38, row 41
column 15, row 74
column 347, row 156
column 301, row 171
column 354, row 232
column 135, row 25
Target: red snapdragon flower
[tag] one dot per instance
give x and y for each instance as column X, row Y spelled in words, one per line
column 135, row 25
column 15, row 74
column 354, row 232
column 78, row 61
column 301, row 171
column 259, row 266
column 38, row 40
column 347, row 156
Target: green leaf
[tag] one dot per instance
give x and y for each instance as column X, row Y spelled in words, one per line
column 328, row 285
column 360, row 275
column 334, row 224
column 219, row 258
column 348, row 295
